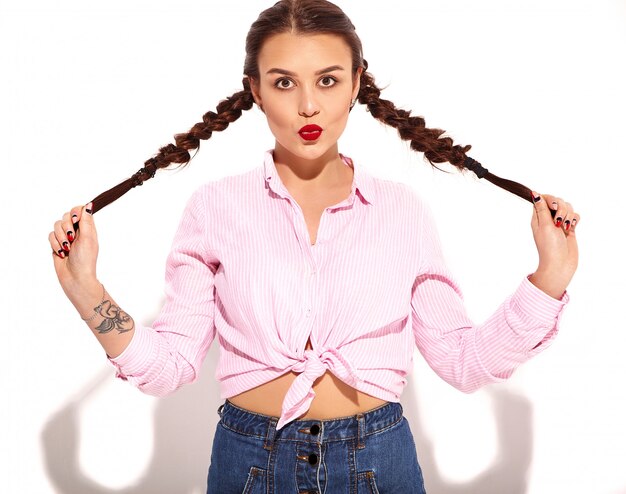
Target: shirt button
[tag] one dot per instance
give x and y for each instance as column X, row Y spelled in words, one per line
column 312, row 458
column 315, row 429
column 308, row 312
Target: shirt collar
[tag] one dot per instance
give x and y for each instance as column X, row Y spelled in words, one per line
column 362, row 181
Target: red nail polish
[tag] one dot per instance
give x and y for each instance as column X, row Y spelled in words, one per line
column 66, row 246
column 559, row 220
column 567, row 225
column 70, row 236
column 61, row 253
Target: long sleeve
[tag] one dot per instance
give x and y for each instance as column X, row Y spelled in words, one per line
column 468, row 355
column 161, row 358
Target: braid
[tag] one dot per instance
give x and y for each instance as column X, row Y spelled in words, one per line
column 227, row 111
column 436, row 149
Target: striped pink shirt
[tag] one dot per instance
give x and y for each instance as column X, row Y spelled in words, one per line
column 242, row 267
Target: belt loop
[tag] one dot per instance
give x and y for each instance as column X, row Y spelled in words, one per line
column 219, row 409
column 360, row 418
column 271, row 433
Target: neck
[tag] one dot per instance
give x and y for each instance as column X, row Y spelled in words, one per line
column 298, row 173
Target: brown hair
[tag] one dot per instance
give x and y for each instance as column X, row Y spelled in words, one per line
column 309, row 17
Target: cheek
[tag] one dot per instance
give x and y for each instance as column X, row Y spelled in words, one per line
column 277, row 123
column 278, row 114
column 339, row 117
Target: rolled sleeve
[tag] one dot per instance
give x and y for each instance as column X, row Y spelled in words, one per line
column 161, row 358
column 469, row 355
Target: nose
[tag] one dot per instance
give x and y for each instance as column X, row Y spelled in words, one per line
column 308, row 106
column 302, row 114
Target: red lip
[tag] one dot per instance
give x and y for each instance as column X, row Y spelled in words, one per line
column 310, row 132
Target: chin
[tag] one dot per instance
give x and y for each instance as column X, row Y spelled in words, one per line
column 310, row 150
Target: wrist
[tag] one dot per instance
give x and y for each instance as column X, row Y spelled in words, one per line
column 84, row 295
column 550, row 282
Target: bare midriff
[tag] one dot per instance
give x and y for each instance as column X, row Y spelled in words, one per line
column 333, row 397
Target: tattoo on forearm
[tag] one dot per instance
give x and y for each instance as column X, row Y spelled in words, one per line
column 114, row 318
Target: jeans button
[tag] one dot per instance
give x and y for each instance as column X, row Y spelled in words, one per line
column 315, row 429
column 312, row 458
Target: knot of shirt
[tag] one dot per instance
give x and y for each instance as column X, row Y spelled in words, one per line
column 313, row 364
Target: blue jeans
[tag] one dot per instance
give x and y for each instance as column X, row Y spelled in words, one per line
column 371, row 452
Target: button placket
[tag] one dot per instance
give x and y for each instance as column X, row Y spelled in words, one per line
column 307, row 474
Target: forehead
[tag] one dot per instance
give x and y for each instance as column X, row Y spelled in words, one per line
column 304, row 52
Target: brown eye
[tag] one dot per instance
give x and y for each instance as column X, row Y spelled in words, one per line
column 328, row 81
column 283, row 84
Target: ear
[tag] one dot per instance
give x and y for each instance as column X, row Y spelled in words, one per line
column 254, row 89
column 356, row 82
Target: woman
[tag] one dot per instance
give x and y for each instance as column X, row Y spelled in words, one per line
column 317, row 278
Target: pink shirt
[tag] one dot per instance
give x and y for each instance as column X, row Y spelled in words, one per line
column 374, row 284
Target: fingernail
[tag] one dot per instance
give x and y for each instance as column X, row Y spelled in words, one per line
column 88, row 208
column 559, row 220
column 61, row 253
column 536, row 197
column 70, row 235
column 66, row 246
column 555, row 204
column 567, row 225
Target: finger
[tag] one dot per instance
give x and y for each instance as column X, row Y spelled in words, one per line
column 573, row 218
column 66, row 226
column 575, row 221
column 86, row 219
column 61, row 235
column 75, row 214
column 558, row 209
column 56, row 246
column 542, row 212
column 567, row 216
column 73, row 226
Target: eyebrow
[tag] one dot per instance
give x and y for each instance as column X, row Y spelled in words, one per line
column 319, row 72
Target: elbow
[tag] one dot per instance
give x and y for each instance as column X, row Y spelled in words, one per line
column 469, row 383
column 467, row 387
column 157, row 392
column 472, row 382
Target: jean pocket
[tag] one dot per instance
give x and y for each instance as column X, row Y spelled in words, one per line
column 366, row 482
column 256, row 481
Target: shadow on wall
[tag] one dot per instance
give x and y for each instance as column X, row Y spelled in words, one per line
column 184, row 425
column 508, row 474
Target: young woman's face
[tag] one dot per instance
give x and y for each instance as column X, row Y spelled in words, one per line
column 305, row 80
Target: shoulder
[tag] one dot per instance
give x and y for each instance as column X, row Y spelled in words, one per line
column 225, row 189
column 399, row 196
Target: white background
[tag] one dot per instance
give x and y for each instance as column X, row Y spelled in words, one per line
column 88, row 92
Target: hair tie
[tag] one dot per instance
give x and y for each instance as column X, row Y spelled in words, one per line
column 138, row 178
column 475, row 166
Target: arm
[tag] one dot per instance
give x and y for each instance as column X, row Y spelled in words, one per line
column 161, row 358
column 469, row 355
column 169, row 354
column 75, row 253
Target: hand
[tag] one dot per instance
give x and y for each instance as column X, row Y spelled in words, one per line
column 556, row 243
column 75, row 251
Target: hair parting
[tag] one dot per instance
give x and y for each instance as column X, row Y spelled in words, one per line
column 310, row 17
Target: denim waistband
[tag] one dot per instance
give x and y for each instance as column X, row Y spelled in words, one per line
column 355, row 426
